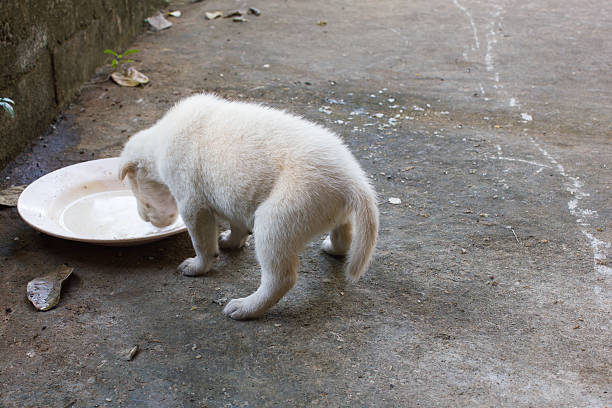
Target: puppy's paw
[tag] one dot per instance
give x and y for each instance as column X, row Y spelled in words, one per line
column 192, row 267
column 242, row 309
column 328, row 248
column 228, row 242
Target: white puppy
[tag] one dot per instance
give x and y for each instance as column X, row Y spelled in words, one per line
column 283, row 178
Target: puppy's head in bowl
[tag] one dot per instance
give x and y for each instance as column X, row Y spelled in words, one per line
column 155, row 202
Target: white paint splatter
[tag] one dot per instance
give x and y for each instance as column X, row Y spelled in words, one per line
column 469, row 16
column 491, row 40
column 482, row 91
column 500, row 156
column 325, row 109
column 599, row 254
column 574, row 186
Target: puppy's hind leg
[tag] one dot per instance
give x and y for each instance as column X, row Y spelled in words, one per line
column 233, row 238
column 202, row 229
column 277, row 252
column 277, row 277
column 339, row 240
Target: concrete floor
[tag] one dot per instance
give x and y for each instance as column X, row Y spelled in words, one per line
column 492, row 285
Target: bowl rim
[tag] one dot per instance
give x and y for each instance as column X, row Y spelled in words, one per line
column 28, row 217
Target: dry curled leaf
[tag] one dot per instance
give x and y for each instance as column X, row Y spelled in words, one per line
column 44, row 292
column 130, row 77
column 128, row 355
column 158, row 22
column 10, row 196
column 234, row 13
column 211, row 15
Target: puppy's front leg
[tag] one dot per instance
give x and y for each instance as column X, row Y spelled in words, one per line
column 202, row 228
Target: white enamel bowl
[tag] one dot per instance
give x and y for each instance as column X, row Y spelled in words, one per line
column 87, row 202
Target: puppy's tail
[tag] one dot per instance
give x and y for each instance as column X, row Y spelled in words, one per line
column 365, row 231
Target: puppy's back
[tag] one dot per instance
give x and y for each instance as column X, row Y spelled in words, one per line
column 248, row 145
column 249, row 130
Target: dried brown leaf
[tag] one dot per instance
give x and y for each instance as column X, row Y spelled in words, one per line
column 9, row 196
column 131, row 77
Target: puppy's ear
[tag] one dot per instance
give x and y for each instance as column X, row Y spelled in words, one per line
column 126, row 168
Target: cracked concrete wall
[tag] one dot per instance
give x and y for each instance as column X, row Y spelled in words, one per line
column 48, row 49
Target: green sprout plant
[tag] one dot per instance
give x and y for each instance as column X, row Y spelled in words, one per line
column 120, row 59
column 7, row 104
